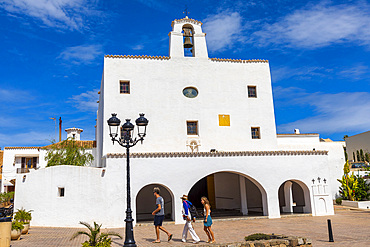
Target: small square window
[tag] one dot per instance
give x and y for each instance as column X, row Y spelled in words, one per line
column 224, row 120
column 192, row 127
column 252, row 92
column 124, row 87
column 255, row 133
column 60, row 191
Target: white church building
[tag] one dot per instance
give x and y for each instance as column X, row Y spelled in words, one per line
column 211, row 133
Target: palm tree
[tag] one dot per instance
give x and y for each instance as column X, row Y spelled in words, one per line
column 95, row 237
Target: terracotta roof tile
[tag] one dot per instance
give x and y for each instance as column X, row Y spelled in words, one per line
column 86, row 144
column 139, row 57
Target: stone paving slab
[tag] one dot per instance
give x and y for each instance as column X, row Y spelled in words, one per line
column 351, row 228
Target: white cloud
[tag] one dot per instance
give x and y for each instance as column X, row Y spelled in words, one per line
column 319, row 26
column 85, row 101
column 335, row 113
column 14, row 95
column 222, row 30
column 357, row 72
column 67, row 14
column 138, row 47
column 82, row 54
column 301, row 73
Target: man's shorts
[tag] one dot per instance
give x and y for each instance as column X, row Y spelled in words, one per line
column 158, row 219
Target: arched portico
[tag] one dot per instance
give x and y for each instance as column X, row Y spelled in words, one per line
column 230, row 194
column 294, row 197
column 145, row 202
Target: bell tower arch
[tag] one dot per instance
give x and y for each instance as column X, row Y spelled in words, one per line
column 187, row 39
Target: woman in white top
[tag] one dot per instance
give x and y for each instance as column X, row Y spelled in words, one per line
column 207, row 220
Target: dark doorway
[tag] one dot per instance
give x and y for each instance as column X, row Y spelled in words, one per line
column 197, row 191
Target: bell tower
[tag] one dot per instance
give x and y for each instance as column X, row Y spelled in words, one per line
column 187, row 39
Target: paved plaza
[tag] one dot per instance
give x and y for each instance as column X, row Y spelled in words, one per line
column 350, row 228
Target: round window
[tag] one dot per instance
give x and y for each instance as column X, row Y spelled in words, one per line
column 190, row 92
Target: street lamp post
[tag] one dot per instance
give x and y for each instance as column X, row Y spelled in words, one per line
column 127, row 141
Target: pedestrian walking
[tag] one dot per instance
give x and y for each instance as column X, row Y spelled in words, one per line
column 208, row 220
column 159, row 215
column 188, row 217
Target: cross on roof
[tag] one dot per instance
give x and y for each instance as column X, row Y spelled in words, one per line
column 186, row 12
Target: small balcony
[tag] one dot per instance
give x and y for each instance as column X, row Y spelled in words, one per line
column 23, row 170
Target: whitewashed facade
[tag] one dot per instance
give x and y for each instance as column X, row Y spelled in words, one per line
column 23, row 160
column 233, row 155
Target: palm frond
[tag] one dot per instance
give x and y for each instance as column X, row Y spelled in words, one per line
column 80, row 233
column 107, row 234
column 87, row 225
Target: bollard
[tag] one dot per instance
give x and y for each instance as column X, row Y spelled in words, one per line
column 331, row 239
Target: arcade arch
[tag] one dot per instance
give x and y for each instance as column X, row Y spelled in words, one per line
column 230, row 194
column 145, row 203
column 294, row 197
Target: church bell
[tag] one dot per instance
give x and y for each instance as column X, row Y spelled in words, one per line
column 187, row 41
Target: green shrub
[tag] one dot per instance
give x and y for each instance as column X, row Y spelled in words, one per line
column 23, row 215
column 16, row 225
column 6, row 196
column 104, row 243
column 338, row 201
column 257, row 236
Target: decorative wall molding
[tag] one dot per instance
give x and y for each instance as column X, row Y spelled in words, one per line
column 22, row 148
column 239, row 60
column 215, row 154
column 186, row 20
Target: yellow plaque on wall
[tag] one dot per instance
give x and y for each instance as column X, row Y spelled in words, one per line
column 224, row 120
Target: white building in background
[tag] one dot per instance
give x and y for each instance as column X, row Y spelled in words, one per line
column 211, row 133
column 24, row 160
column 356, row 143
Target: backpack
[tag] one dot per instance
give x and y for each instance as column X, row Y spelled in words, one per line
column 193, row 210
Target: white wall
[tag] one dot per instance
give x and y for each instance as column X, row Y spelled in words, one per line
column 91, row 196
column 335, row 150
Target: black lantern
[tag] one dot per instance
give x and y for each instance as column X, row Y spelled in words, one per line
column 127, row 128
column 141, row 123
column 113, row 123
column 128, row 142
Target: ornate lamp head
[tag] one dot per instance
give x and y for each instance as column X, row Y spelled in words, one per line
column 113, row 123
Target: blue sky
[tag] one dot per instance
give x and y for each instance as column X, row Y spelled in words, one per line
column 52, row 58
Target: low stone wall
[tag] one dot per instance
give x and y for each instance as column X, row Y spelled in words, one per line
column 357, row 204
column 290, row 241
column 284, row 241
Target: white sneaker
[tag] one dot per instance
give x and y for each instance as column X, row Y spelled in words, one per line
column 183, row 240
column 196, row 242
